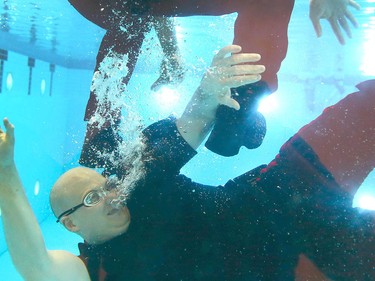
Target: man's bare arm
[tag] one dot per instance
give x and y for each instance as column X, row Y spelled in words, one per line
column 22, row 232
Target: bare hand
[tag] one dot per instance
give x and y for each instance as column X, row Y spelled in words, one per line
column 229, row 71
column 337, row 14
column 7, row 144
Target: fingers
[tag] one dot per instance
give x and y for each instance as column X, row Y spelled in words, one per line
column 317, row 27
column 230, row 69
column 336, row 29
column 354, row 5
column 338, row 15
column 345, row 26
column 351, row 18
column 231, row 103
column 237, row 75
column 229, row 56
column 226, row 51
column 9, row 129
column 315, row 15
column 226, row 67
column 240, row 59
column 239, row 80
column 233, row 75
column 245, row 70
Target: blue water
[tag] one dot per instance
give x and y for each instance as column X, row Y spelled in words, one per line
column 49, row 126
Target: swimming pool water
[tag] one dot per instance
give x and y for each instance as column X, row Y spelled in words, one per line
column 48, row 119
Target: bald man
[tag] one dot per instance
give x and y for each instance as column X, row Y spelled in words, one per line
column 170, row 228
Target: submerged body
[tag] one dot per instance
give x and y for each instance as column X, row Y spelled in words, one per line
column 252, row 228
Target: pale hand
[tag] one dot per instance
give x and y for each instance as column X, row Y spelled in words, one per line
column 229, row 69
column 337, row 14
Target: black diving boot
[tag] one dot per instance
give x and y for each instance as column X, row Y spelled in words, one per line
column 243, row 127
column 171, row 73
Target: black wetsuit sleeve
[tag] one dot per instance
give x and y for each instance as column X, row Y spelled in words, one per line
column 167, row 151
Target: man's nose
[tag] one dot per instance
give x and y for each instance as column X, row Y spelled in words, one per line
column 113, row 199
column 111, row 194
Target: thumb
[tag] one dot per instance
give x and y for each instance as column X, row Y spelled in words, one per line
column 9, row 129
column 232, row 103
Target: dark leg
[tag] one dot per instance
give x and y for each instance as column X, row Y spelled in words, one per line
column 172, row 70
column 100, row 12
column 97, row 11
column 105, row 139
column 183, row 8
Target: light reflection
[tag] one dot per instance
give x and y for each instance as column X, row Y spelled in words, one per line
column 43, row 86
column 166, row 98
column 366, row 202
column 268, row 104
column 367, row 66
column 9, row 81
column 36, row 188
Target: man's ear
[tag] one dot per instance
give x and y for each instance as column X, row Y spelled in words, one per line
column 69, row 224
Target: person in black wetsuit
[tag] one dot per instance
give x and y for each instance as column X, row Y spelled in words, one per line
column 252, row 228
column 261, row 27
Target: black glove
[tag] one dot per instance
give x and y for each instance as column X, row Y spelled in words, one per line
column 243, row 127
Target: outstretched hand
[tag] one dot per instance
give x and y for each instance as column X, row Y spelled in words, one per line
column 7, row 144
column 229, row 71
column 337, row 14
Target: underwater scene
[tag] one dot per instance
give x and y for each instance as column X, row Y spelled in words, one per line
column 187, row 140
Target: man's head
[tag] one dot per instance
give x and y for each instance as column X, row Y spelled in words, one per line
column 95, row 219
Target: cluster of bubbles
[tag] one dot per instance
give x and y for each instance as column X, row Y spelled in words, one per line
column 117, row 110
